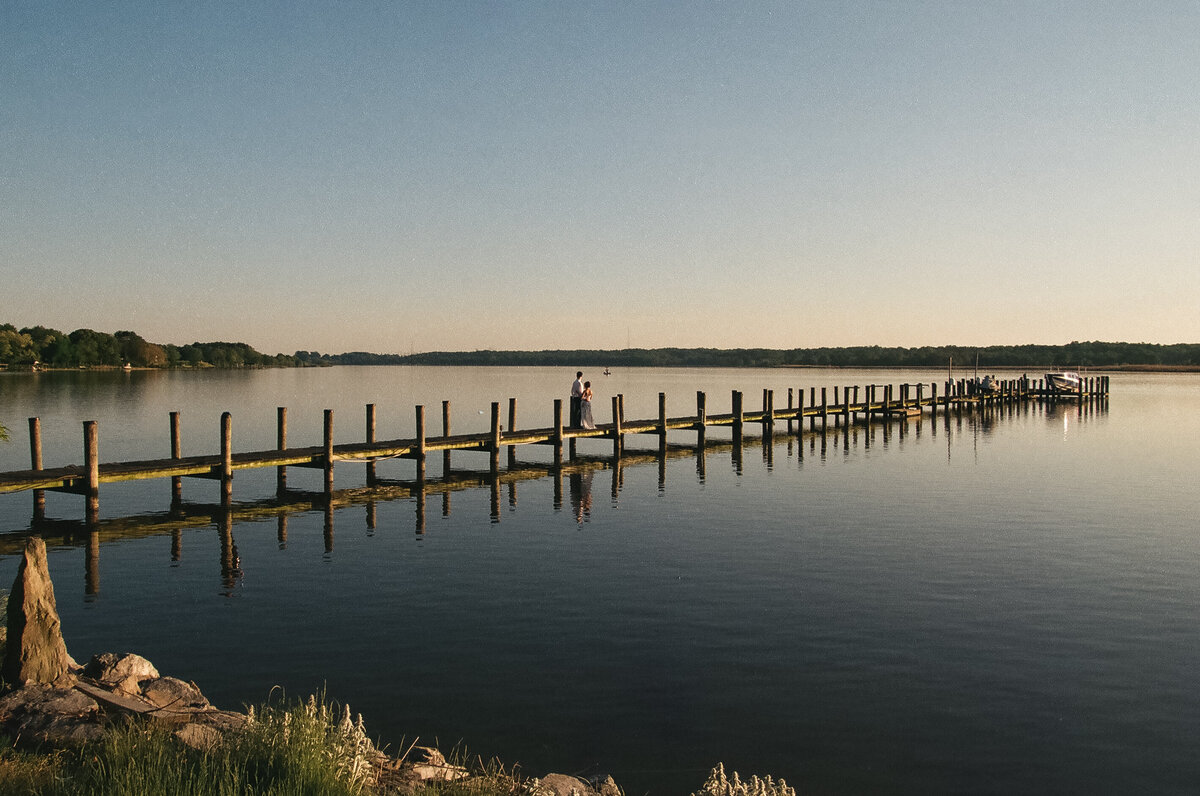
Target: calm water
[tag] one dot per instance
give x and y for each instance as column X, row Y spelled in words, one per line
column 998, row 604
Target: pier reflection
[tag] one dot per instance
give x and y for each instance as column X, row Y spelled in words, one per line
column 579, row 474
column 581, row 495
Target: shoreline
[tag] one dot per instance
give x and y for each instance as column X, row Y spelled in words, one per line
column 1130, row 368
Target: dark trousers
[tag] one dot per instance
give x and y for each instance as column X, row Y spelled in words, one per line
column 576, row 411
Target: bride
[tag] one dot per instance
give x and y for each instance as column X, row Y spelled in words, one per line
column 585, row 414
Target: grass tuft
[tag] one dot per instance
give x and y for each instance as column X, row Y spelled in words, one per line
column 288, row 750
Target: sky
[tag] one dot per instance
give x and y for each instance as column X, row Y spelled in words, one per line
column 400, row 177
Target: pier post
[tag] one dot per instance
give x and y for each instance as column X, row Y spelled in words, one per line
column 328, row 454
column 662, row 421
column 768, row 413
column 176, row 453
column 420, row 419
column 846, row 406
column 281, row 443
column 495, row 440
column 370, row 438
column 790, row 406
column 618, row 441
column 799, row 411
column 558, row 432
column 226, row 457
column 445, row 433
column 512, row 426
column 824, row 409
column 701, row 421
column 91, row 462
column 736, row 399
column 35, row 463
column 812, row 402
column 837, row 402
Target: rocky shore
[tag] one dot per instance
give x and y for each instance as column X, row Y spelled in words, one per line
column 51, row 702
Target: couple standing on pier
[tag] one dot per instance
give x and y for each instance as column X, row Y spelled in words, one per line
column 581, row 403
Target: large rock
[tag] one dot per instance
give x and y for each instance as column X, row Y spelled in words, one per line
column 38, row 714
column 123, row 672
column 564, row 785
column 171, row 693
column 35, row 652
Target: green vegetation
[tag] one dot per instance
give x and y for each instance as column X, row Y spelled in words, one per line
column 287, row 748
column 88, row 348
column 1090, row 354
column 718, row 784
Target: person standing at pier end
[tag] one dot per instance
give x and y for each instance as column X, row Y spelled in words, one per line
column 585, row 412
column 576, row 399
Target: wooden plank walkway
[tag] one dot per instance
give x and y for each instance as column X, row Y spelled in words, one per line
column 845, row 407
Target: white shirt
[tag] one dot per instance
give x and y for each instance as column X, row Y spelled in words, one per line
column 577, row 388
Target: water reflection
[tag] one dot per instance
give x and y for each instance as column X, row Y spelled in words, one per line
column 581, row 495
column 579, row 472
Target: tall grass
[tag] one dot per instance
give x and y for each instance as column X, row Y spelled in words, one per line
column 296, row 749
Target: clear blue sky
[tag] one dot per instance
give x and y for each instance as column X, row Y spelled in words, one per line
column 396, row 176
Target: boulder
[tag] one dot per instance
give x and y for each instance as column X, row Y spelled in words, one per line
column 35, row 651
column 123, row 672
column 173, row 694
column 564, row 785
column 40, row 714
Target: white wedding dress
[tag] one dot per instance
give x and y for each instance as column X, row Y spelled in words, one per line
column 585, row 415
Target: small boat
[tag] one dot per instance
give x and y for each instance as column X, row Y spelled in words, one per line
column 607, row 372
column 1065, row 381
column 127, row 367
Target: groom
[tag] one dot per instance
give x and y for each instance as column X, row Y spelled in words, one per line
column 577, row 400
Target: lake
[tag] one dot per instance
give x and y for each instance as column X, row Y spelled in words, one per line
column 1003, row 602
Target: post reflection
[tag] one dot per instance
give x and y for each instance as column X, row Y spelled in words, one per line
column 328, row 527
column 494, row 503
column 581, row 495
column 91, row 578
column 231, row 564
column 863, row 434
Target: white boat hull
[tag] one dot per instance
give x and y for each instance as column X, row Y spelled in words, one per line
column 1065, row 381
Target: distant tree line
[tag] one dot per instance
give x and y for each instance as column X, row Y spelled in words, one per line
column 88, row 348
column 1076, row 354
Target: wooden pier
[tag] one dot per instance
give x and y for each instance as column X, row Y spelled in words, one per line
column 823, row 408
